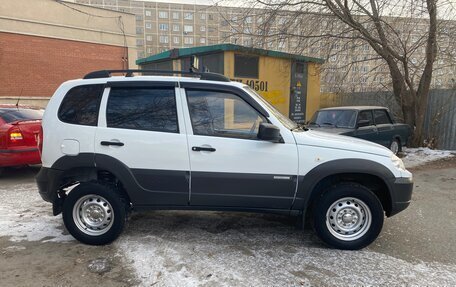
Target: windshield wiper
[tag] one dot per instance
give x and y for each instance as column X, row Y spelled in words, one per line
column 301, row 126
column 314, row 123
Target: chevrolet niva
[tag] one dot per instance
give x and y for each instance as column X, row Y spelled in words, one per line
column 116, row 144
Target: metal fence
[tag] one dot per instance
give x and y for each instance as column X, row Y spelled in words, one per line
column 440, row 121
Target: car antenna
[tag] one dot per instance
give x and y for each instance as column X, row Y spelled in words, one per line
column 18, row 99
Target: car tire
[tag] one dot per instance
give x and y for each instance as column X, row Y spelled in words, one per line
column 348, row 216
column 395, row 146
column 94, row 213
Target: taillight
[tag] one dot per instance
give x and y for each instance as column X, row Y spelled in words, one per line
column 16, row 136
column 39, row 141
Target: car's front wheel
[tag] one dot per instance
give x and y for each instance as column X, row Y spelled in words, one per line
column 348, row 216
column 395, row 146
column 94, row 213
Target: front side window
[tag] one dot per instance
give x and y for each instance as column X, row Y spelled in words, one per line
column 81, row 104
column 222, row 114
column 366, row 116
column 381, row 117
column 147, row 109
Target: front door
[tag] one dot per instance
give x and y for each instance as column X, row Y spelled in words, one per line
column 230, row 167
column 139, row 126
column 368, row 132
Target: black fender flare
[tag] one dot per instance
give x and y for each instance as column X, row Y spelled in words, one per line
column 307, row 184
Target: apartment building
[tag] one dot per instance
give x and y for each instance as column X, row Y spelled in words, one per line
column 350, row 66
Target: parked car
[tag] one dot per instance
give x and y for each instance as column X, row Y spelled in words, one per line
column 115, row 144
column 371, row 123
column 19, row 130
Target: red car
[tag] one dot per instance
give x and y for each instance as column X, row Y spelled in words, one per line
column 20, row 128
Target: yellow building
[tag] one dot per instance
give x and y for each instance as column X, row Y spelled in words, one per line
column 290, row 82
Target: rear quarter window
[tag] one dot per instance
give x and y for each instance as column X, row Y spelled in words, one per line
column 81, row 105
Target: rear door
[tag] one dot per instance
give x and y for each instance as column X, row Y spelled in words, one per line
column 230, row 167
column 140, row 126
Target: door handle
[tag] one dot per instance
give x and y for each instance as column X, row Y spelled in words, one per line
column 107, row 143
column 200, row 148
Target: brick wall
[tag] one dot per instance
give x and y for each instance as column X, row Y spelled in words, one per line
column 38, row 65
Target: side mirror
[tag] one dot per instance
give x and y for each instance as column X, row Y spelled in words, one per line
column 363, row 123
column 269, row 132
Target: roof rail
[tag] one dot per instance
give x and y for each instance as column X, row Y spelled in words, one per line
column 129, row 73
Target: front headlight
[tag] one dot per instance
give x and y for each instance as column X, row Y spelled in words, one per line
column 397, row 162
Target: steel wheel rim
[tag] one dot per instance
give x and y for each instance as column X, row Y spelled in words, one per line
column 348, row 218
column 394, row 147
column 93, row 215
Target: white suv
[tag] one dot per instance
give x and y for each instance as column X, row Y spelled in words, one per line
column 116, row 144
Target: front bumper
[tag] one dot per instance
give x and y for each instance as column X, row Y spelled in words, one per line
column 401, row 194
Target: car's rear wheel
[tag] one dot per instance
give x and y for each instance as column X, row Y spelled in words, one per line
column 94, row 213
column 348, row 216
column 395, row 146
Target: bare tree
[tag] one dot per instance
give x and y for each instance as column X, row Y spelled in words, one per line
column 401, row 35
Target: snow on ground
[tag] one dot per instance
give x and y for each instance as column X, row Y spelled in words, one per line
column 25, row 216
column 219, row 249
column 413, row 157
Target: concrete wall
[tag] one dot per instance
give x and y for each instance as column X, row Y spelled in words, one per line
column 46, row 42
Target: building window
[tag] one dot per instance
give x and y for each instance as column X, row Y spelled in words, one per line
column 188, row 28
column 203, row 16
column 163, row 27
column 148, row 25
column 176, row 40
column 163, row 39
column 188, row 16
column 175, row 15
column 148, row 13
column 163, row 15
column 203, row 28
column 203, row 40
column 248, row 20
column 246, row 66
column 188, row 40
column 176, row 28
column 149, row 38
column 139, row 42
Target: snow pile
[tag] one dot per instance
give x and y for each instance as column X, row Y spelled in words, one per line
column 418, row 156
column 25, row 216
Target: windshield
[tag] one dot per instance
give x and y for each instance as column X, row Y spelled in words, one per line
column 289, row 124
column 335, row 118
column 12, row 115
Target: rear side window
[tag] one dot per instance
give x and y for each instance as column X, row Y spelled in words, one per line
column 148, row 109
column 81, row 105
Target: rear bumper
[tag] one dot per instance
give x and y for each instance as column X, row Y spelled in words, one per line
column 48, row 181
column 401, row 193
column 19, row 156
